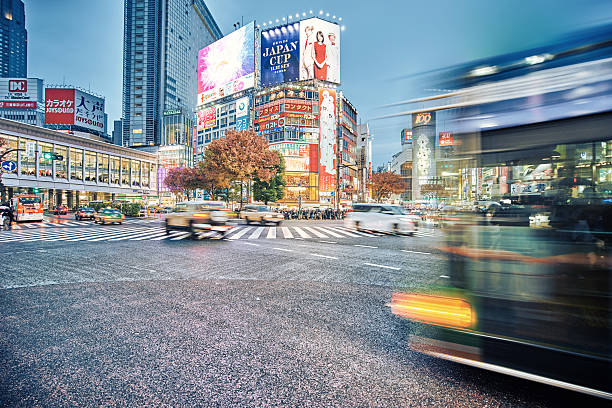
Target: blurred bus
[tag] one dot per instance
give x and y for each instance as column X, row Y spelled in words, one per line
column 27, row 207
column 529, row 287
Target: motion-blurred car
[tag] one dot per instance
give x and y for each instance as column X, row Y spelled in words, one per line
column 200, row 216
column 109, row 216
column 85, row 213
column 380, row 217
column 261, row 214
column 60, row 210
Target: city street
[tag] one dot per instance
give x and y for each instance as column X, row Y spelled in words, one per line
column 294, row 315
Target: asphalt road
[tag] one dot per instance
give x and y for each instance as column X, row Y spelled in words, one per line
column 132, row 320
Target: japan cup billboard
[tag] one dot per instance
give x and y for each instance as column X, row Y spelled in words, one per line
column 280, row 54
column 227, row 66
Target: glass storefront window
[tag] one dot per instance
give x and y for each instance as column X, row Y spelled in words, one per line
column 136, row 173
column 13, row 142
column 115, row 166
column 90, row 166
column 146, row 166
column 125, row 171
column 103, row 168
column 153, row 181
column 28, row 164
column 45, row 166
column 76, row 164
column 61, row 166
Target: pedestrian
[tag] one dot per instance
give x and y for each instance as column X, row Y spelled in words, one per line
column 7, row 216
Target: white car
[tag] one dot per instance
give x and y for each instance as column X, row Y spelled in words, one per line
column 380, row 217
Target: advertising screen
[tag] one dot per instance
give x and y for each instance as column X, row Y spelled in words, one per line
column 280, row 54
column 227, row 66
column 328, row 124
column 298, row 156
column 319, row 50
column 68, row 106
column 445, row 139
column 207, row 118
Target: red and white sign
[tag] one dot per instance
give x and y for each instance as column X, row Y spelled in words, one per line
column 59, row 106
column 445, row 139
column 20, row 89
column 298, row 107
column 18, row 85
column 17, row 105
column 68, row 106
column 207, row 118
column 407, row 135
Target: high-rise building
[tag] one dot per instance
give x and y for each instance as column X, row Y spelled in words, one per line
column 160, row 50
column 13, row 40
column 116, row 135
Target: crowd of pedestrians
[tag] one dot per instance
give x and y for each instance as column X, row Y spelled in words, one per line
column 313, row 214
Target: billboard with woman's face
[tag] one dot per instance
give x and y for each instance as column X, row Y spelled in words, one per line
column 319, row 50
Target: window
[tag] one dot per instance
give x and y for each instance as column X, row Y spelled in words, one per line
column 45, row 166
column 76, row 164
column 125, row 171
column 115, row 169
column 61, row 166
column 12, row 144
column 103, row 168
column 90, row 166
column 28, row 164
column 136, row 173
column 146, row 166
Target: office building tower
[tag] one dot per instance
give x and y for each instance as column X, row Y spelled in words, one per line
column 13, row 40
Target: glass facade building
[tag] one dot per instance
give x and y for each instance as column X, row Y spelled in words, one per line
column 161, row 43
column 13, row 40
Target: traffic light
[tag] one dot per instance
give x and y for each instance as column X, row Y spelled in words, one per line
column 52, row 156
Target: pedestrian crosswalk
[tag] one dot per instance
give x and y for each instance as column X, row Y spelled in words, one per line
column 73, row 223
column 136, row 232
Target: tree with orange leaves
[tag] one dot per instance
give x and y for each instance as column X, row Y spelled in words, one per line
column 386, row 183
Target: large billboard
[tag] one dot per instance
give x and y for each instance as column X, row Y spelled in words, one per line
column 227, row 66
column 19, row 93
column 280, row 54
column 298, row 156
column 327, row 143
column 319, row 50
column 68, row 106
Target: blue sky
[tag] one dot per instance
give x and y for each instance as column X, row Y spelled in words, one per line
column 385, row 44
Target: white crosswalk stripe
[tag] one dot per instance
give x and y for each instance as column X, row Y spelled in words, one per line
column 136, row 232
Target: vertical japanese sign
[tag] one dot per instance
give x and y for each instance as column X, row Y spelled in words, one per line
column 242, row 113
column 328, row 123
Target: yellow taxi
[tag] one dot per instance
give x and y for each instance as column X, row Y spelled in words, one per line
column 109, row 216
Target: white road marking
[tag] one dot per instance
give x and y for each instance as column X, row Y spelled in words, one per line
column 382, row 266
column 329, row 242
column 415, row 252
column 271, row 233
column 301, row 232
column 365, row 246
column 330, row 232
column 256, row 233
column 241, row 233
column 324, row 256
column 445, row 276
column 286, row 232
column 249, row 243
column 172, row 234
column 283, row 249
column 317, row 233
column 345, row 231
column 153, row 235
column 178, row 237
